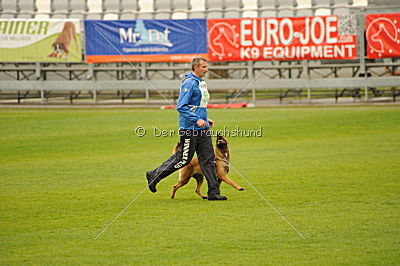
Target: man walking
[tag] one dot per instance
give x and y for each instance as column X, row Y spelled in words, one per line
column 194, row 131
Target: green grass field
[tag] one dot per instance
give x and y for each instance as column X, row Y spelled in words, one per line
column 333, row 172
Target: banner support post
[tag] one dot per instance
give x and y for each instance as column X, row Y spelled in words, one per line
column 94, row 95
column 250, row 77
column 38, row 76
column 144, row 73
column 37, row 71
column 90, row 74
column 307, row 72
column 362, row 50
column 42, row 96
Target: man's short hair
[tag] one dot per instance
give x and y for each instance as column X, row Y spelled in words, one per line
column 196, row 61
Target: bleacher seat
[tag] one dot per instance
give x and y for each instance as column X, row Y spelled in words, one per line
column 197, row 9
column 322, row 7
column 180, row 8
column 286, row 8
column 43, row 9
column 360, row 3
column 146, row 9
column 340, row 11
column 249, row 8
column 77, row 9
column 233, row 9
column 60, row 8
column 26, row 9
column 214, row 8
column 304, row 8
column 340, row 7
column 163, row 9
column 129, row 9
column 9, row 8
column 267, row 8
column 322, row 12
column 112, row 9
column 95, row 9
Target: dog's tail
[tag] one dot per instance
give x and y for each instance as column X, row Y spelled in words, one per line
column 176, row 148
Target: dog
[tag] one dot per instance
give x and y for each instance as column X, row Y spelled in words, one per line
column 63, row 41
column 222, row 161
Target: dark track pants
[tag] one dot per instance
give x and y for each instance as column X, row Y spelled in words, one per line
column 191, row 141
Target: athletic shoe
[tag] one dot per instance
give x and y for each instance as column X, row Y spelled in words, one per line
column 217, row 197
column 151, row 182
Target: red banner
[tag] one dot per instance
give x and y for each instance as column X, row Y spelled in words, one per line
column 383, row 35
column 254, row 39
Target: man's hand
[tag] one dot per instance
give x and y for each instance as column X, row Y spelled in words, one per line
column 211, row 122
column 201, row 123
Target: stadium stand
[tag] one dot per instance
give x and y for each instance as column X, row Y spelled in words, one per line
column 131, row 9
column 79, row 79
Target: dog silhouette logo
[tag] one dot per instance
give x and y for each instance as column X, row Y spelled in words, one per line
column 222, row 37
column 383, row 36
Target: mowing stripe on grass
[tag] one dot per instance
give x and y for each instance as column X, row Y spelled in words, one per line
column 267, row 201
column 105, row 228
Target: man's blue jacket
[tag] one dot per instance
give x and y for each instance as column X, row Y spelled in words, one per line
column 189, row 102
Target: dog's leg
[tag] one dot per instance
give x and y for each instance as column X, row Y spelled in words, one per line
column 66, row 51
column 73, row 33
column 199, row 178
column 226, row 179
column 184, row 177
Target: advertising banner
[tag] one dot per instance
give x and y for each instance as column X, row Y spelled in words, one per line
column 39, row 40
column 253, row 39
column 383, row 35
column 145, row 40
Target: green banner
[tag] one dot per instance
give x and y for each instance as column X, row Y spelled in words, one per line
column 39, row 40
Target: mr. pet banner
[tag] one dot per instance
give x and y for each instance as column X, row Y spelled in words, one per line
column 383, row 35
column 252, row 39
column 145, row 40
